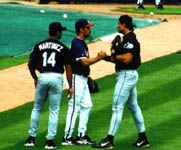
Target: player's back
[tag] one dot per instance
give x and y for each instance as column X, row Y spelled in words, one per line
column 50, row 56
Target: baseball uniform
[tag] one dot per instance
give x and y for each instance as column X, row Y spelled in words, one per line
column 49, row 57
column 81, row 101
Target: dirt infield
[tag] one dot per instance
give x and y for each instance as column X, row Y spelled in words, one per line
column 16, row 84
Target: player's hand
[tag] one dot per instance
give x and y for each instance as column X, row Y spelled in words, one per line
column 69, row 93
column 101, row 54
column 35, row 83
column 113, row 54
column 112, row 51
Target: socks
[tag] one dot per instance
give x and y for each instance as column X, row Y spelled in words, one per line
column 142, row 135
column 110, row 137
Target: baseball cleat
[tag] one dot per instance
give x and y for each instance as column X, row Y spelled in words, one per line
column 105, row 143
column 50, row 144
column 141, row 143
column 68, row 141
column 160, row 6
column 85, row 140
column 140, row 6
column 30, row 142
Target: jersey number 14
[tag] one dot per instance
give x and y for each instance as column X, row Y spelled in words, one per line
column 49, row 60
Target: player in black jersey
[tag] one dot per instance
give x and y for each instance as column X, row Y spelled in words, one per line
column 127, row 59
column 49, row 57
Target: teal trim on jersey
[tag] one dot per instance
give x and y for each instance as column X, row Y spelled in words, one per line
column 23, row 26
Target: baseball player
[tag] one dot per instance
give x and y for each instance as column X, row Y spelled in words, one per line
column 49, row 57
column 158, row 4
column 127, row 59
column 81, row 102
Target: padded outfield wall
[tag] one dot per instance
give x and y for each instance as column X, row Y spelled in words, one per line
column 175, row 2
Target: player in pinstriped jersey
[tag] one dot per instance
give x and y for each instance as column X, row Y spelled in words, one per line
column 127, row 59
column 81, row 102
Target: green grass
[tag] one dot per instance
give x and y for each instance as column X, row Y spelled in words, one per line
column 159, row 97
column 7, row 62
column 165, row 11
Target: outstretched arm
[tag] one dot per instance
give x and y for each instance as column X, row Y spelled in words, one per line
column 109, row 59
column 90, row 61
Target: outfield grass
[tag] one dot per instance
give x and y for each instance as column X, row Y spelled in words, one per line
column 165, row 11
column 159, row 97
column 7, row 62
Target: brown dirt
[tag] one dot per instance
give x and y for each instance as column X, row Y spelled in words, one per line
column 17, row 86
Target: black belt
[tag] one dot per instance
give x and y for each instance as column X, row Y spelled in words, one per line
column 51, row 71
column 118, row 70
column 82, row 75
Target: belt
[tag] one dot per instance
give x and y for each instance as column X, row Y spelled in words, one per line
column 81, row 75
column 124, row 70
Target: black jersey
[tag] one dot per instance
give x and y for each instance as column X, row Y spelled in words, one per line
column 79, row 50
column 50, row 56
column 130, row 44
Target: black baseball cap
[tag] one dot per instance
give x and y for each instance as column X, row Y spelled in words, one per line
column 127, row 20
column 56, row 26
column 82, row 23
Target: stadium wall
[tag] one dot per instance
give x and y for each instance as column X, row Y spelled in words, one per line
column 175, row 2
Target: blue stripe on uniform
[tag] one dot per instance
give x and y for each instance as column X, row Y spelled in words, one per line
column 72, row 111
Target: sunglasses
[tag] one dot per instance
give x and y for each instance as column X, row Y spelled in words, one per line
column 87, row 27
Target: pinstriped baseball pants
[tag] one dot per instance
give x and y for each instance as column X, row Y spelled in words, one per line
column 126, row 93
column 80, row 103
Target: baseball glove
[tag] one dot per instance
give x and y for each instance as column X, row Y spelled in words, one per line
column 93, row 86
column 115, row 45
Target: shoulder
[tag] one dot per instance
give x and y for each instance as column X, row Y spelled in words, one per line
column 76, row 41
column 130, row 41
column 63, row 45
column 131, row 37
column 39, row 44
column 77, row 44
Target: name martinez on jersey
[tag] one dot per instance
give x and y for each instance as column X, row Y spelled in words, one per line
column 50, row 45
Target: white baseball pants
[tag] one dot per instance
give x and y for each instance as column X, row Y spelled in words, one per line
column 80, row 103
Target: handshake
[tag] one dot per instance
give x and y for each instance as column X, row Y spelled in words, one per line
column 104, row 56
column 101, row 55
column 115, row 47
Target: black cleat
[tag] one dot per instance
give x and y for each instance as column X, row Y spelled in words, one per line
column 30, row 142
column 85, row 140
column 140, row 6
column 160, row 6
column 105, row 143
column 50, row 144
column 68, row 141
column 141, row 143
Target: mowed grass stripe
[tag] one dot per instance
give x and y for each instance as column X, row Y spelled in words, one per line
column 148, row 9
column 153, row 101
column 162, row 126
